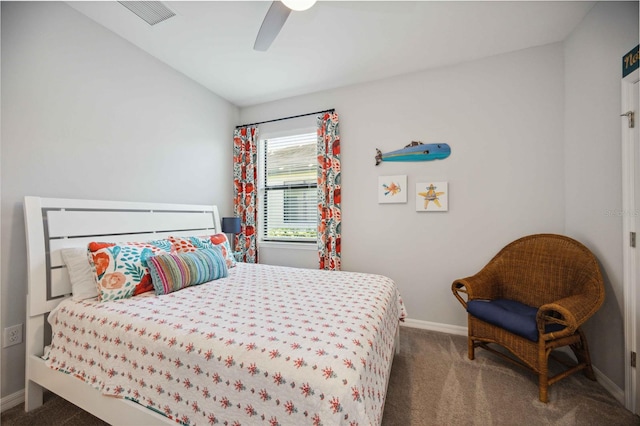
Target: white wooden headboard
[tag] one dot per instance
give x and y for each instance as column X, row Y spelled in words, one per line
column 54, row 223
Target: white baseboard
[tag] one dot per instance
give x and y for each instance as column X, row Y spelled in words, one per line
column 610, row 387
column 606, row 383
column 435, row 326
column 12, row 400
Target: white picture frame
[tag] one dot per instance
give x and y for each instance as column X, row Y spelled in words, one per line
column 392, row 189
column 432, row 196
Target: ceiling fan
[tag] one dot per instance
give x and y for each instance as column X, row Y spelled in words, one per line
column 275, row 19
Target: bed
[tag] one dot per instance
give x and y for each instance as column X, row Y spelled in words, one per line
column 260, row 345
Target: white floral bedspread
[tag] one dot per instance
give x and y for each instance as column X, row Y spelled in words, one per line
column 266, row 345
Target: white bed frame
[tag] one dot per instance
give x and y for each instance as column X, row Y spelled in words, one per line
column 53, row 224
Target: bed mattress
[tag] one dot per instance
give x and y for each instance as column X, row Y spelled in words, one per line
column 265, row 345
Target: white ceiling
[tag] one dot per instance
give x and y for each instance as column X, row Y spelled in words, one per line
column 335, row 43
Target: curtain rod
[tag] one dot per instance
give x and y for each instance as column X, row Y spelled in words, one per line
column 286, row 118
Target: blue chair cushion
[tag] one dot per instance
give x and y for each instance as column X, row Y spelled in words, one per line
column 510, row 315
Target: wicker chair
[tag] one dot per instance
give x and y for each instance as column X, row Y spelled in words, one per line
column 542, row 288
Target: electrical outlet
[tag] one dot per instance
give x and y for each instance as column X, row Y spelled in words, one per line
column 12, row 336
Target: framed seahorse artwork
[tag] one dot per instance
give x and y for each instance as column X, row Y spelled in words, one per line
column 432, row 197
column 392, row 189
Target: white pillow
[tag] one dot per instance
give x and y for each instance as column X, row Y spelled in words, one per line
column 83, row 280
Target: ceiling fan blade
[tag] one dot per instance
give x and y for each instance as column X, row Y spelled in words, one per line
column 273, row 22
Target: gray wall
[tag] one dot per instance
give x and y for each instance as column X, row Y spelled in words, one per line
column 86, row 114
column 593, row 162
column 502, row 117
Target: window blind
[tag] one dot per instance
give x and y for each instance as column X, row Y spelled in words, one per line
column 289, row 197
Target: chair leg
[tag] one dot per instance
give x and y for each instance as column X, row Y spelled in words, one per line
column 470, row 343
column 581, row 351
column 543, row 373
column 543, row 389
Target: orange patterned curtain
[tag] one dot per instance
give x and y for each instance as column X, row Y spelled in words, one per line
column 329, row 212
column 245, row 175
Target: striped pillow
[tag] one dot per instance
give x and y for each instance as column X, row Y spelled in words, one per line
column 174, row 271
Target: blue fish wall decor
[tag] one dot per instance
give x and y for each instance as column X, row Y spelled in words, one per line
column 416, row 151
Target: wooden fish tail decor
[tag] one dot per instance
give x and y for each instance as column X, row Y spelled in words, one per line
column 416, row 151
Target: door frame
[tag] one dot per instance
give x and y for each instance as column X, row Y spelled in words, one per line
column 630, row 208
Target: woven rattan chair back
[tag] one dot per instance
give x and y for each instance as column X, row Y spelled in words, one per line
column 542, row 268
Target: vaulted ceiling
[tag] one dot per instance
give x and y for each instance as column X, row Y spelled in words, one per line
column 335, row 43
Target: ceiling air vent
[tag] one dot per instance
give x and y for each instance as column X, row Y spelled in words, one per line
column 152, row 12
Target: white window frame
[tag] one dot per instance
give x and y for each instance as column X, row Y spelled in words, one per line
column 271, row 131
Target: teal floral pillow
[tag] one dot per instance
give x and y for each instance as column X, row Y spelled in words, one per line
column 121, row 268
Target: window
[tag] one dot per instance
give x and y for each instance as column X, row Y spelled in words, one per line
column 288, row 184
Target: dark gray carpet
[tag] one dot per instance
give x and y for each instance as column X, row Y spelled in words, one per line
column 434, row 383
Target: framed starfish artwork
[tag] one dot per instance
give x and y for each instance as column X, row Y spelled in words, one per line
column 392, row 189
column 432, row 197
